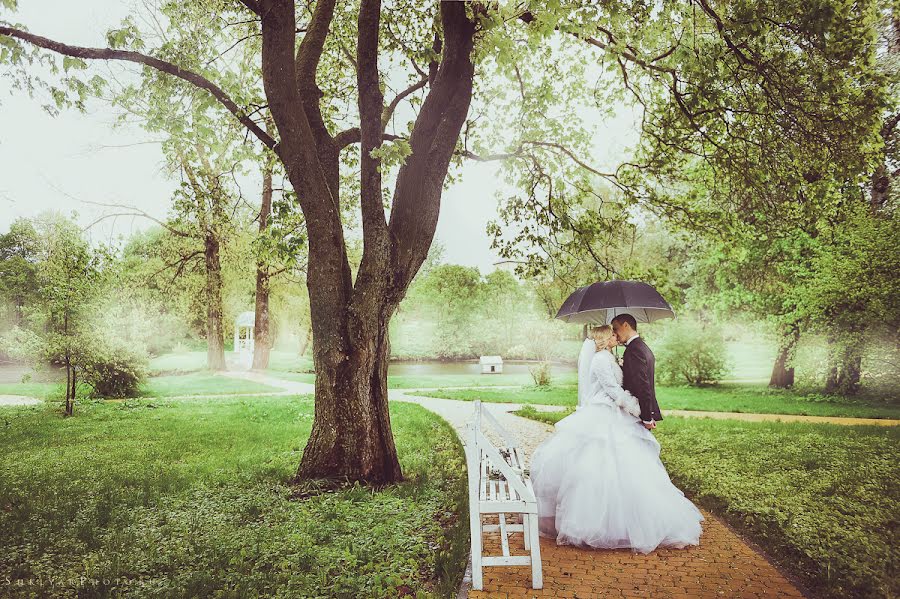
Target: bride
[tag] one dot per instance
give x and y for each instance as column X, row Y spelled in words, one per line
column 599, row 481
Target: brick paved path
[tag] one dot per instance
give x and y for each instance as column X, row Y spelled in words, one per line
column 722, row 566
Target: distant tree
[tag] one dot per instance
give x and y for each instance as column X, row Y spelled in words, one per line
column 69, row 277
column 18, row 269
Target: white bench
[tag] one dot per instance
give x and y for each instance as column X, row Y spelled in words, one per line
column 499, row 484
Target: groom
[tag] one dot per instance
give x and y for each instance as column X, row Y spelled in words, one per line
column 637, row 369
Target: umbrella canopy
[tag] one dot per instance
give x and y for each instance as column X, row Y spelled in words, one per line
column 601, row 302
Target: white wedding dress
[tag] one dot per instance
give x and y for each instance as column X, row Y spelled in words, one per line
column 599, row 480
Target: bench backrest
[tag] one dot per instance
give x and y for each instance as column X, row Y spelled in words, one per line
column 479, row 446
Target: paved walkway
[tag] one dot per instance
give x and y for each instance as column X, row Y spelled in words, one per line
column 722, row 566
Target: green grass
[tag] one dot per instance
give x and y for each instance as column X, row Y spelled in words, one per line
column 190, row 499
column 201, row 383
column 195, row 383
column 178, row 362
column 821, row 499
column 749, row 399
column 547, row 417
column 289, row 362
column 300, row 377
column 39, row 390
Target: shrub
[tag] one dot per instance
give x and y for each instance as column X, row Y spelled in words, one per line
column 114, row 371
column 691, row 352
column 540, row 373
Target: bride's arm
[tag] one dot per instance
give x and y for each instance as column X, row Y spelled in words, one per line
column 607, row 381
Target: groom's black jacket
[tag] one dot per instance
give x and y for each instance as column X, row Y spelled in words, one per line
column 637, row 377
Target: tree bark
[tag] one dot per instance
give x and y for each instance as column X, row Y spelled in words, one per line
column 262, row 337
column 845, row 368
column 351, row 437
column 783, row 370
column 215, row 342
column 305, row 341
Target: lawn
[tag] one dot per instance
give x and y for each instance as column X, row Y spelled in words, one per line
column 161, row 497
column 821, row 499
column 200, row 383
column 195, row 383
column 190, row 361
column 746, row 398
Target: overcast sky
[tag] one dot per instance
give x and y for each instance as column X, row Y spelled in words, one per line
column 66, row 161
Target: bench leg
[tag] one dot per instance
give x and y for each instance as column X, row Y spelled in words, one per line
column 526, row 531
column 475, row 531
column 537, row 575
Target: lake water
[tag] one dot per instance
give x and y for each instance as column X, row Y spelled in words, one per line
column 432, row 368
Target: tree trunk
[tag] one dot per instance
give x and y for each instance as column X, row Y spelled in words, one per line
column 70, row 396
column 845, row 369
column 351, row 434
column 215, row 352
column 262, row 337
column 352, row 438
column 305, row 341
column 783, row 370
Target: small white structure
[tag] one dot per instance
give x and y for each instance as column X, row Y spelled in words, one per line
column 491, row 364
column 243, row 334
column 500, row 489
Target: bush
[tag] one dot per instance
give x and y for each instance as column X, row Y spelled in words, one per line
column 691, row 352
column 540, row 373
column 114, row 371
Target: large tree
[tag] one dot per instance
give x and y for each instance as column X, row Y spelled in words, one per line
column 708, row 65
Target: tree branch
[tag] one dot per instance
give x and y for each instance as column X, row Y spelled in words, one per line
column 389, row 111
column 150, row 61
column 371, row 106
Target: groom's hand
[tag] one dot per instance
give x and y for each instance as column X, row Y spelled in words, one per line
column 649, row 425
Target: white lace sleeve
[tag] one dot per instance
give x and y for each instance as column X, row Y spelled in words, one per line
column 606, row 381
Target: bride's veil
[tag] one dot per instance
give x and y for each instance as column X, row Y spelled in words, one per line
column 588, row 349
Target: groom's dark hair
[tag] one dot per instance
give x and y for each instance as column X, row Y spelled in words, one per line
column 627, row 319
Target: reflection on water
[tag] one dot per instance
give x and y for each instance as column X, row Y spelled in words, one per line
column 12, row 372
column 468, row 367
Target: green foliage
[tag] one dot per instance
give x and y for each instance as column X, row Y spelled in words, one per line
column 114, row 370
column 691, row 352
column 453, row 311
column 192, row 499
column 546, row 417
column 821, row 498
column 541, row 374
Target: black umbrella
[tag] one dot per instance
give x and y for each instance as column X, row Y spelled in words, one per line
column 601, row 302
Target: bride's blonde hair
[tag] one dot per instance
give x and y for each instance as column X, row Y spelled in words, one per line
column 601, row 335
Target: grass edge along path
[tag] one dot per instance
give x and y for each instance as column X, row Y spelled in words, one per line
column 747, row 399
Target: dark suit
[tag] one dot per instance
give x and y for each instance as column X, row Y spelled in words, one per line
column 637, row 378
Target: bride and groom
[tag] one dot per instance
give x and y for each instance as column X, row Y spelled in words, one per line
column 598, row 479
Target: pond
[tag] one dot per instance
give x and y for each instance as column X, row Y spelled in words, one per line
column 13, row 372
column 431, row 368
